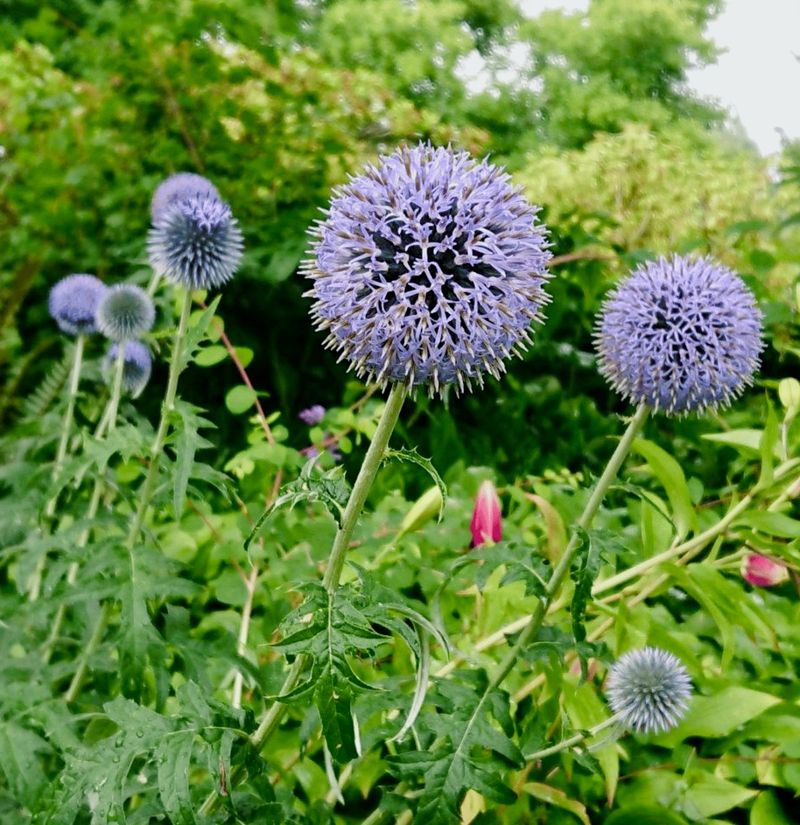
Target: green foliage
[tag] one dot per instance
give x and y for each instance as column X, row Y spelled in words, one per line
column 133, row 687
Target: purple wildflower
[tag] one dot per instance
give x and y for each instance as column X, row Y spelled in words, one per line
column 73, row 303
column 125, row 312
column 681, row 335
column 649, row 690
column 428, row 269
column 312, row 415
column 136, row 368
column 180, row 187
column 196, row 243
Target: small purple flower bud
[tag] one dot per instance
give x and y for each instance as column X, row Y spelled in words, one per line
column 73, row 303
column 428, row 270
column 136, row 368
column 180, row 187
column 312, row 415
column 125, row 312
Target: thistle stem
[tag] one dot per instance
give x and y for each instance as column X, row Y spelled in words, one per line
column 244, row 630
column 573, row 740
column 35, row 584
column 336, row 560
column 110, row 417
column 175, row 369
column 565, row 562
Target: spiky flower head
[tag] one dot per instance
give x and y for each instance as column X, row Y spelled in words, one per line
column 196, row 243
column 73, row 303
column 680, row 334
column 180, row 187
column 428, row 269
column 136, row 368
column 649, row 690
column 125, row 312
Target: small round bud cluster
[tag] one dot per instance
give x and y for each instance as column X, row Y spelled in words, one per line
column 136, row 368
column 428, row 270
column 125, row 312
column 681, row 335
column 649, row 690
column 195, row 241
column 73, row 303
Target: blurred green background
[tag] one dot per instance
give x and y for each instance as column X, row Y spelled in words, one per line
column 277, row 101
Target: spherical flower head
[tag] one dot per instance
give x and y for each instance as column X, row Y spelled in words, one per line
column 681, row 335
column 125, row 312
column 196, row 243
column 312, row 415
column 428, row 270
column 649, row 690
column 136, row 368
column 180, row 187
column 73, row 303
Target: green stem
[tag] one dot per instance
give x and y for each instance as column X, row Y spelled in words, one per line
column 110, row 417
column 175, row 369
column 35, row 583
column 341, row 543
column 565, row 562
column 573, row 740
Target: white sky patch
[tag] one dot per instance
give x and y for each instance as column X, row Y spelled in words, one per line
column 757, row 78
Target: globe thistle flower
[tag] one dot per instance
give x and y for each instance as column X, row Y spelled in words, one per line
column 73, row 303
column 649, row 689
column 196, row 243
column 312, row 415
column 428, row 270
column 180, row 187
column 136, row 368
column 681, row 335
column 125, row 312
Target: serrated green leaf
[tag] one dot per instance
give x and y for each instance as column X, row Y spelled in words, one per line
column 19, row 762
column 413, row 457
column 173, row 757
column 195, row 334
column 557, row 798
column 186, row 441
column 333, row 698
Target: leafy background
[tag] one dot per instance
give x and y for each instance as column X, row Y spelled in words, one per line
column 277, row 102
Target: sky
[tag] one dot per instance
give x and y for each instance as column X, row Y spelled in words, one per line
column 758, row 77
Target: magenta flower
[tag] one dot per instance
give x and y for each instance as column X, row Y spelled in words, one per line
column 486, row 522
column 761, row 571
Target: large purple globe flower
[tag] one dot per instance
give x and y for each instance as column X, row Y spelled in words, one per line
column 428, row 269
column 73, row 302
column 196, row 243
column 177, row 188
column 681, row 335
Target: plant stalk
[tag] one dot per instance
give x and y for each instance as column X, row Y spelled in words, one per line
column 336, row 560
column 175, row 368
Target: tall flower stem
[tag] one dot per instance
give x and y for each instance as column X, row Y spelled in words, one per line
column 336, row 560
column 35, row 584
column 175, row 368
column 146, row 493
column 565, row 562
column 110, row 419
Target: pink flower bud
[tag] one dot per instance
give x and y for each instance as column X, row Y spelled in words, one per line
column 485, row 525
column 761, row 571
